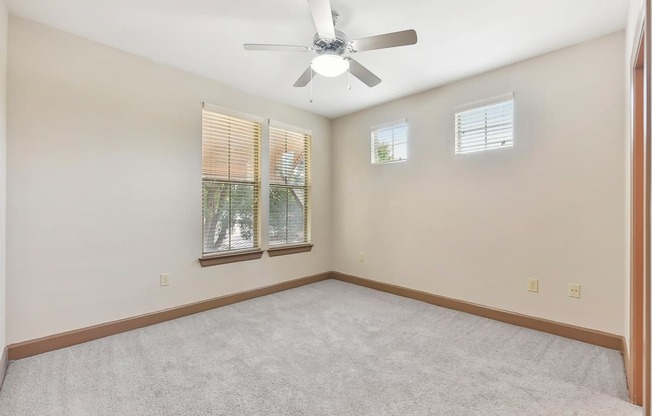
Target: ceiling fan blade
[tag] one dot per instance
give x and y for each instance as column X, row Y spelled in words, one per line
column 388, row 40
column 276, row 48
column 322, row 15
column 362, row 73
column 305, row 78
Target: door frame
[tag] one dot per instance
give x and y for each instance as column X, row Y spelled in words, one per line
column 647, row 134
column 638, row 358
column 638, row 232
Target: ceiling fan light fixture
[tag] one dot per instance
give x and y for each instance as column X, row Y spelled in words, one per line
column 329, row 65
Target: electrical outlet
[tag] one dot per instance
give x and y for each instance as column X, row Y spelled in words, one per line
column 574, row 290
column 165, row 279
column 361, row 257
column 533, row 285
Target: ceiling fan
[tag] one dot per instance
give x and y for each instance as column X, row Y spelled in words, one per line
column 331, row 45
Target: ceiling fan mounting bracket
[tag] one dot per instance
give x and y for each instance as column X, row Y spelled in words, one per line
column 335, row 46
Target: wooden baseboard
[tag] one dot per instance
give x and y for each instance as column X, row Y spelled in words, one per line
column 603, row 339
column 79, row 336
column 70, row 338
column 4, row 362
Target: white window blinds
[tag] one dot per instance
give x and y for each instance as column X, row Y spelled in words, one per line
column 289, row 180
column 389, row 142
column 230, row 182
column 486, row 126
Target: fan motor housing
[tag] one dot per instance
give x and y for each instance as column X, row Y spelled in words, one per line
column 335, row 46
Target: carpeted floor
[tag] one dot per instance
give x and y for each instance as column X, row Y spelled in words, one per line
column 325, row 349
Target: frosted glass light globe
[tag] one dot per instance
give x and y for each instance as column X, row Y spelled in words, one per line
column 329, row 65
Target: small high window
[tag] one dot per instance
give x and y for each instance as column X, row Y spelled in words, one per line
column 485, row 125
column 389, row 142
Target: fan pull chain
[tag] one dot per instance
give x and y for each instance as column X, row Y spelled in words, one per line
column 311, row 81
column 348, row 77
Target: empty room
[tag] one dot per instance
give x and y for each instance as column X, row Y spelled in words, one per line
column 321, row 207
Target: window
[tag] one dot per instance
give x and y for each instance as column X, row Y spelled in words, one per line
column 484, row 126
column 230, row 182
column 389, row 142
column 289, row 181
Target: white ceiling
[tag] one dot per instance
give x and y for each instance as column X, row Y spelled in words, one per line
column 457, row 39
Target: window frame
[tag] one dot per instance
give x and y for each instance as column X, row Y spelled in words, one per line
column 249, row 253
column 274, row 250
column 374, row 130
column 483, row 105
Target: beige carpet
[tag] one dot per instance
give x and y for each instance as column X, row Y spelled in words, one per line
column 326, row 349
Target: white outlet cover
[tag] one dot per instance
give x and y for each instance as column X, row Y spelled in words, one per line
column 574, row 290
column 533, row 285
column 165, row 279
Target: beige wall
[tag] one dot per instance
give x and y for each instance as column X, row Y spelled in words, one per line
column 3, row 169
column 104, row 185
column 475, row 227
column 634, row 18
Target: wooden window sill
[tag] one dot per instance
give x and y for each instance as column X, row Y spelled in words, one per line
column 225, row 258
column 282, row 251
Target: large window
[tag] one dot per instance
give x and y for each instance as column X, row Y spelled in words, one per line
column 230, row 182
column 289, row 180
column 485, row 125
column 389, row 142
